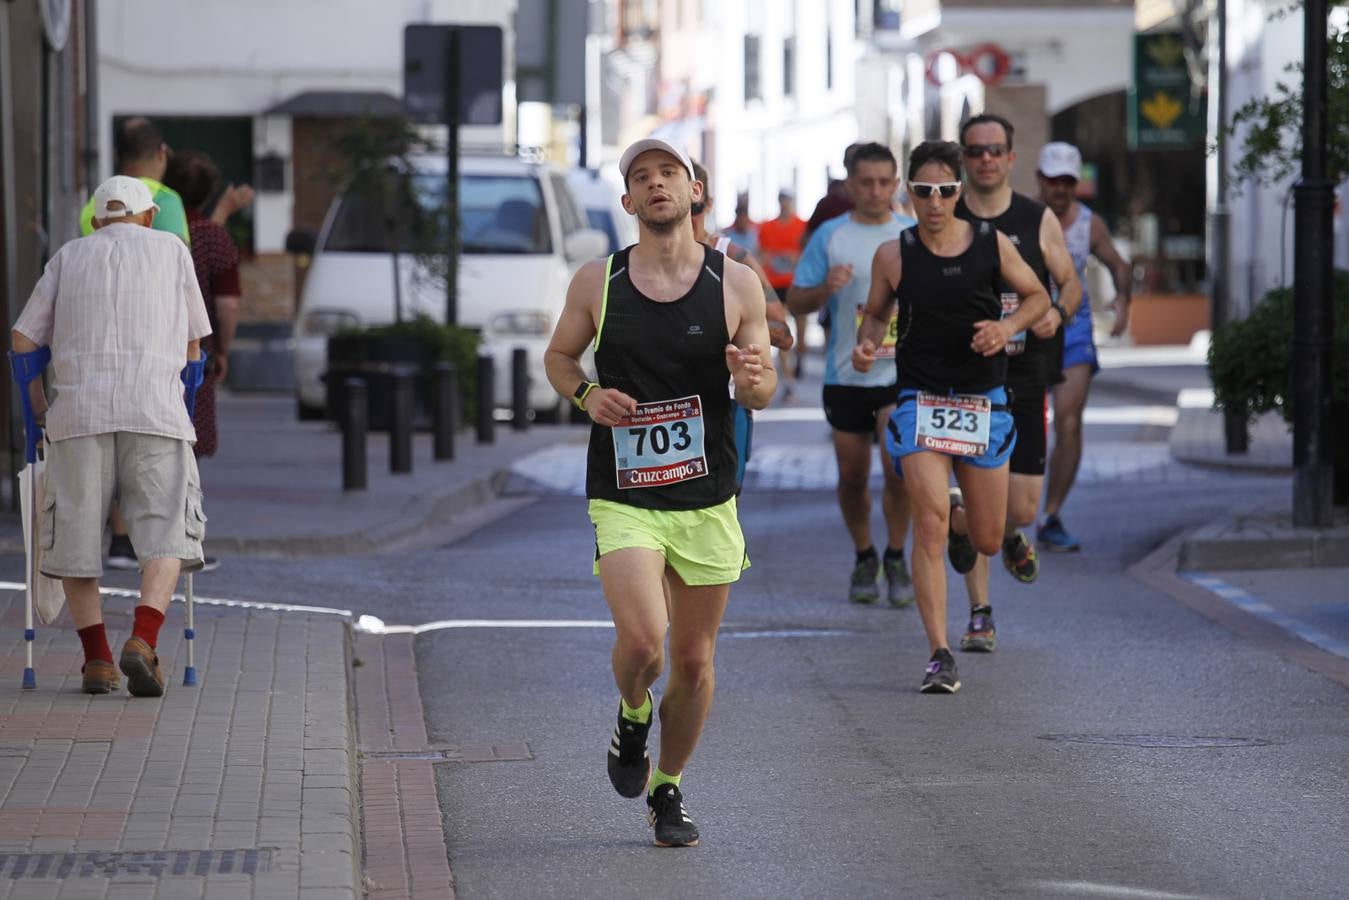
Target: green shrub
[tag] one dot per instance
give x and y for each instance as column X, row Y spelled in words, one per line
column 448, row 343
column 1250, row 362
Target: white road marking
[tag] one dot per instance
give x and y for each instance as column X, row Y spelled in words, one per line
column 1098, row 889
column 1257, row 607
column 207, row 601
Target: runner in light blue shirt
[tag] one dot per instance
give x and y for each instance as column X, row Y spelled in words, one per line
column 835, row 271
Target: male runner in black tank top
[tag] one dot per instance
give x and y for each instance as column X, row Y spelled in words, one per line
column 1033, row 363
column 949, row 357
column 673, row 322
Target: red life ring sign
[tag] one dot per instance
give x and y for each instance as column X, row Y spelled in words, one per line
column 988, row 62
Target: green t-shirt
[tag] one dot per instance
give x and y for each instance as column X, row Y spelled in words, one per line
column 172, row 217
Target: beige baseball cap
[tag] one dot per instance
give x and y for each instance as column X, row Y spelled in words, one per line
column 637, row 148
column 132, row 193
column 1058, row 159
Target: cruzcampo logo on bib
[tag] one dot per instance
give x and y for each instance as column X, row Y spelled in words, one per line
column 660, row 444
column 887, row 348
column 957, row 424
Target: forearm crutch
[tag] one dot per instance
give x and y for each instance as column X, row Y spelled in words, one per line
column 26, row 368
column 193, row 374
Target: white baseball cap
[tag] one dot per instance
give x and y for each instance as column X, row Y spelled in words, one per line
column 639, row 147
column 132, row 193
column 1058, row 159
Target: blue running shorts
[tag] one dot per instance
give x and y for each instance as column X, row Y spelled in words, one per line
column 1079, row 347
column 903, row 430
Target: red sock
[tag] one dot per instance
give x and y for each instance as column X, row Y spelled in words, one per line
column 147, row 624
column 95, row 641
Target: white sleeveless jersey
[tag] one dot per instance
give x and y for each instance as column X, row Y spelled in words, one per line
column 1078, row 238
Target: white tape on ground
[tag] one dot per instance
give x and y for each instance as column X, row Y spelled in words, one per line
column 1257, row 607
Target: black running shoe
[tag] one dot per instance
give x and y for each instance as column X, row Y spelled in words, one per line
column 981, row 636
column 1020, row 559
column 959, row 548
column 121, row 555
column 665, row 813
column 629, row 763
column 941, row 677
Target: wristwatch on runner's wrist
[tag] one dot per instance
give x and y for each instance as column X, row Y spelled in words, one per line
column 582, row 391
column 1063, row 313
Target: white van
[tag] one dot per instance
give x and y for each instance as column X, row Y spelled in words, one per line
column 599, row 201
column 522, row 237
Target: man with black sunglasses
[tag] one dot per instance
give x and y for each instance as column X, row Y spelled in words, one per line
column 1034, row 357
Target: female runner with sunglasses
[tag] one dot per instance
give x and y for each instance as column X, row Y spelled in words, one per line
column 944, row 273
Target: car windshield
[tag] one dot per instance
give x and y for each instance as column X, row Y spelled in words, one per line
column 602, row 220
column 498, row 214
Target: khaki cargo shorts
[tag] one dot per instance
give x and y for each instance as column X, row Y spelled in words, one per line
column 154, row 482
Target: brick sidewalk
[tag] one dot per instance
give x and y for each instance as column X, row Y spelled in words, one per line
column 240, row 787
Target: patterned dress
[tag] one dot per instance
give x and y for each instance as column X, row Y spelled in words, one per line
column 217, row 263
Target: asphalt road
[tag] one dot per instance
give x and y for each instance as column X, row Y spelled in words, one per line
column 1116, row 745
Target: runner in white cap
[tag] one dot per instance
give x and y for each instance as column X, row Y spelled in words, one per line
column 672, row 322
column 1059, row 169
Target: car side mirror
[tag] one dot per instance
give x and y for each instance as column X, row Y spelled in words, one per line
column 301, row 241
column 585, row 244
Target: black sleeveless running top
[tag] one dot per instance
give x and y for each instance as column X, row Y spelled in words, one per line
column 671, row 355
column 1040, row 362
column 940, row 299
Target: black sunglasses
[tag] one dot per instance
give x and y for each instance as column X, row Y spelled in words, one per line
column 974, row 151
column 923, row 190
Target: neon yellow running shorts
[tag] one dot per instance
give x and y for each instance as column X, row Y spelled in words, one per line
column 704, row 546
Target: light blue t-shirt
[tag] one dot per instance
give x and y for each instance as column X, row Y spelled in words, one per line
column 838, row 242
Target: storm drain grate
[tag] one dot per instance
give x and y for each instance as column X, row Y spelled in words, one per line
column 155, row 863
column 514, row 751
column 1159, row 741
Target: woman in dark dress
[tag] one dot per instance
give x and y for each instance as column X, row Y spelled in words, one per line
column 195, row 177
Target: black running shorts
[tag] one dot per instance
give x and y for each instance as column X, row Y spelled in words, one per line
column 853, row 409
column 1030, row 412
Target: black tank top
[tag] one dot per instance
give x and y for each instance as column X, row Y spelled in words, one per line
column 1040, row 360
column 940, row 299
column 679, row 453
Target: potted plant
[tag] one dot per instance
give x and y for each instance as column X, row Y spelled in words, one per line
column 1250, row 363
column 377, row 170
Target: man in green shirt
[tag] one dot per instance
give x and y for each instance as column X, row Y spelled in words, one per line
column 141, row 153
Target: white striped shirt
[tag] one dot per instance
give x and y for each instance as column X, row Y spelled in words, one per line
column 118, row 309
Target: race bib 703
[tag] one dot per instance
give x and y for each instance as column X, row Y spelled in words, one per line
column 660, row 444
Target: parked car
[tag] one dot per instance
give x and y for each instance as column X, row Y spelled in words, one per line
column 599, row 199
column 522, row 236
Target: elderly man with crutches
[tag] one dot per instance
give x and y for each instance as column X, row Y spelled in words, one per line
column 123, row 316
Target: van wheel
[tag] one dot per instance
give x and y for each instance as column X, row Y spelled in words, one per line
column 306, row 413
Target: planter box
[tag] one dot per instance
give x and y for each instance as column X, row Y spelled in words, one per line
column 1167, row 318
column 374, row 359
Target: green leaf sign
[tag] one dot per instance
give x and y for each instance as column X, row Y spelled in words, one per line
column 1164, row 112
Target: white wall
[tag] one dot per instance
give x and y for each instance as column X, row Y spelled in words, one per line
column 1076, row 54
column 1259, row 51
column 172, row 58
column 781, row 142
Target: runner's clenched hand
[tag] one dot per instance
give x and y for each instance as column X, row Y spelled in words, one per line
column 746, row 365
column 609, row 406
column 990, row 337
column 863, row 355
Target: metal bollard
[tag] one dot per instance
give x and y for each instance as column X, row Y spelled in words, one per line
column 519, row 389
column 400, row 421
column 486, row 399
column 355, row 425
column 445, row 409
